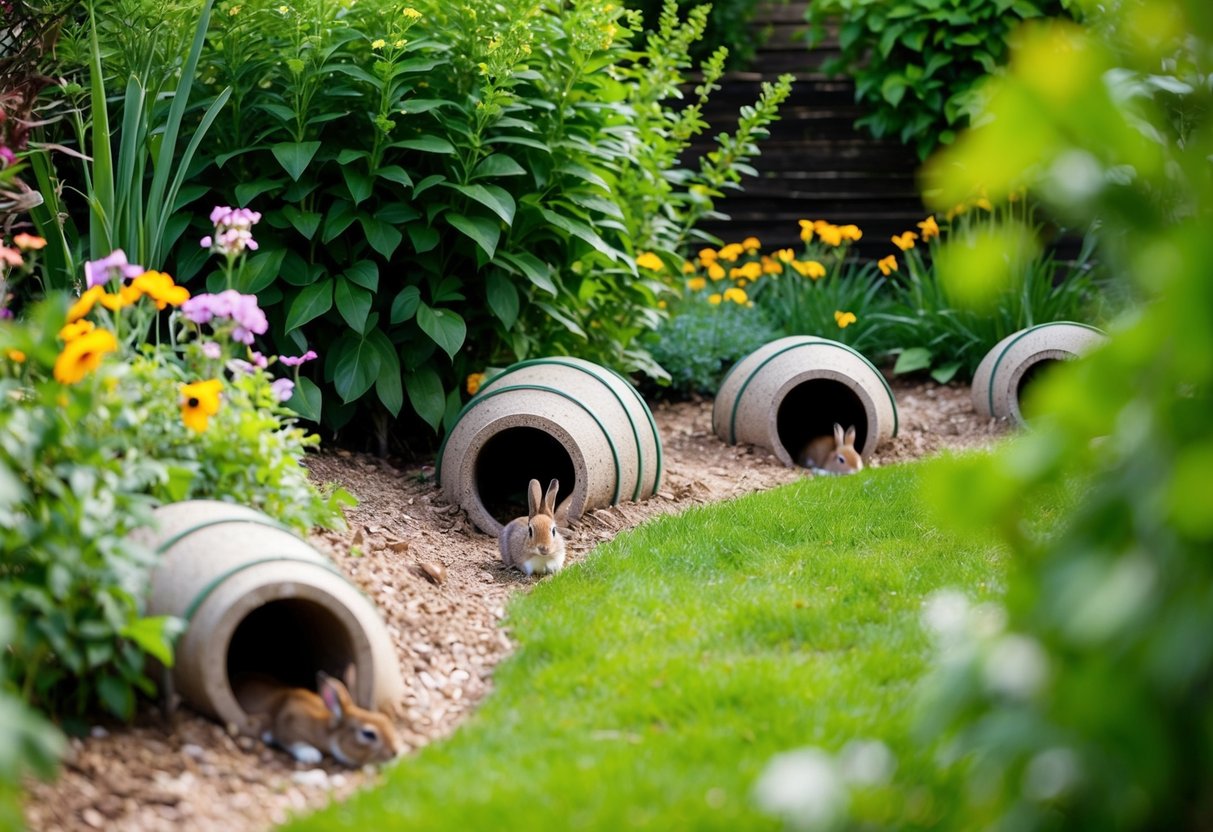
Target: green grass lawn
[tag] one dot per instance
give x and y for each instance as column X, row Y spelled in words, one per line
column 655, row 680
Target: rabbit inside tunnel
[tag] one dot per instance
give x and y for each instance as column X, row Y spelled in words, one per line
column 833, row 453
column 308, row 724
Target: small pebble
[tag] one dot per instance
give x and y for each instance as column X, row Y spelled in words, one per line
column 98, row 732
column 193, row 751
column 312, row 777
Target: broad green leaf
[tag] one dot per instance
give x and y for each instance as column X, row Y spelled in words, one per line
column 426, row 144
column 522, row 140
column 481, row 230
column 312, row 302
column 306, row 400
column 117, row 696
column 558, row 314
column 365, row 273
column 893, row 89
column 154, row 635
column 353, row 302
column 295, row 156
column 246, row 192
column 383, row 237
column 396, row 213
column 946, row 372
column 388, row 382
column 425, row 394
column 536, row 271
column 413, row 106
column 340, row 217
column 444, row 326
column 423, row 237
column 581, row 231
column 427, row 183
column 405, row 305
column 493, row 197
column 305, row 222
column 503, row 298
column 912, row 359
column 395, row 173
column 498, row 164
column 259, row 271
column 349, row 154
column 357, row 368
column 358, row 183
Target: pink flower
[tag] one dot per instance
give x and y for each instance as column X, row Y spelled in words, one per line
column 283, row 388
column 111, row 267
column 212, row 350
column 238, row 366
column 10, row 256
column 232, row 230
column 295, row 361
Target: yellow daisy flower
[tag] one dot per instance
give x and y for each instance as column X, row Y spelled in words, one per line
column 199, row 402
column 82, row 355
column 649, row 260
column 84, row 304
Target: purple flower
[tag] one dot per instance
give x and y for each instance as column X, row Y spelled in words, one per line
column 296, row 360
column 260, row 360
column 238, row 366
column 111, row 267
column 232, row 230
column 5, row 313
column 283, row 388
column 7, row 155
column 212, row 350
column 242, row 310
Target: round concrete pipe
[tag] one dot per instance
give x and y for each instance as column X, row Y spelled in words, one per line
column 1008, row 369
column 258, row 599
column 788, row 391
column 550, row 418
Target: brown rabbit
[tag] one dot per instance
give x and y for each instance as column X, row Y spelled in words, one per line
column 533, row 543
column 307, row 724
column 832, row 454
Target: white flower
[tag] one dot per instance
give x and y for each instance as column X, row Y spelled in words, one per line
column 1016, row 667
column 866, row 763
column 946, row 615
column 1050, row 774
column 804, row 788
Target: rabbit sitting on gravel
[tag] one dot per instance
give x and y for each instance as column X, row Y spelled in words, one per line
column 832, row 454
column 307, row 724
column 533, row 543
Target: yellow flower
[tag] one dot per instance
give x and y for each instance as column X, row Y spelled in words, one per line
column 785, row 255
column 233, row 11
column 400, row 43
column 809, row 268
column 751, row 270
column 715, row 271
column 114, row 302
column 74, row 330
column 735, row 294
column 831, row 235
column 806, row 230
column 82, row 355
column 751, row 244
column 887, row 265
column 199, row 402
column 160, row 287
column 929, row 228
column 771, row 266
column 697, row 284
column 28, row 242
column 378, row 43
column 484, row 69
column 284, row 10
column 983, row 203
column 905, row 241
column 850, row 233
column 473, row 382
column 16, row 356
column 844, row 319
column 714, row 299
column 85, row 304
column 688, row 267
column 956, row 211
column 731, row 252
column 411, row 13
column 649, row 260
column 707, row 255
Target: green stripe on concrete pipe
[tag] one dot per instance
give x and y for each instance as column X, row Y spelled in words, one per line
column 268, row 522
column 652, row 426
column 790, row 347
column 560, row 362
column 1015, row 340
column 215, row 582
column 601, row 427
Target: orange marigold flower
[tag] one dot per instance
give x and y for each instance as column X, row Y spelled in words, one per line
column 16, row 356
column 715, row 271
column 707, row 255
column 731, row 252
column 751, row 244
column 929, row 228
column 735, row 294
column 905, row 241
column 771, row 266
column 29, row 242
column 844, row 319
column 82, row 355
column 887, row 265
column 809, row 268
column 649, row 260
column 697, row 284
column 688, row 267
column 474, row 381
column 831, row 235
column 851, row 233
column 84, row 304
column 714, row 298
column 75, row 329
column 785, row 255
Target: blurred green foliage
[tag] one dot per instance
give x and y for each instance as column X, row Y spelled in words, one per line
column 915, row 62
column 698, row 345
column 729, row 25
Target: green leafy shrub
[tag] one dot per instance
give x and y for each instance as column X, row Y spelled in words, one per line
column 915, row 62
column 100, row 427
column 454, row 187
column 933, row 322
column 1082, row 702
column 699, row 344
column 729, row 25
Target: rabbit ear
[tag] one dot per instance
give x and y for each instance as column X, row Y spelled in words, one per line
column 334, row 695
column 350, row 676
column 534, row 498
column 549, row 499
column 838, row 435
column 850, row 437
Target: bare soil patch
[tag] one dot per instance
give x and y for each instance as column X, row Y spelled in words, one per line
column 442, row 591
